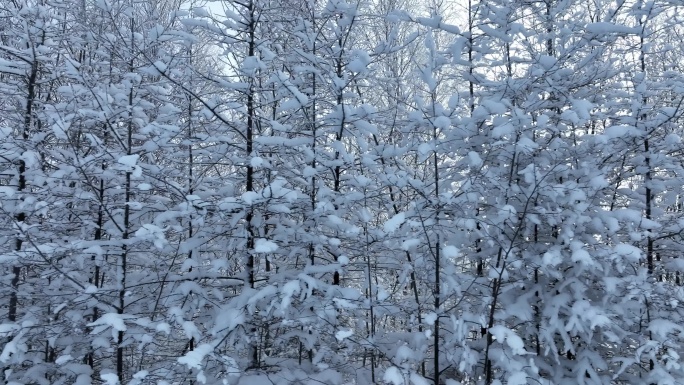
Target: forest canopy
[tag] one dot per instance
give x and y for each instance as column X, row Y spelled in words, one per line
column 341, row 192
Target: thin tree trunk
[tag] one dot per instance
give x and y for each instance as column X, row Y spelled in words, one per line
column 249, row 186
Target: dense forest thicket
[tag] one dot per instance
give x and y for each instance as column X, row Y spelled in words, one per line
column 338, row 192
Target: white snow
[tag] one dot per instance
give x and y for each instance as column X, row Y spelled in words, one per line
column 152, row 233
column 256, row 162
column 662, row 328
column 393, row 376
column 356, row 65
column 290, row 289
column 61, row 360
column 410, row 243
column 342, row 334
column 442, row 122
column 129, row 160
column 8, row 329
column 570, row 116
column 228, row 320
column 579, row 254
column 200, row 12
column 618, row 131
column 673, row 139
column 194, row 358
column 551, row 258
column 163, row 327
column 424, row 148
column 141, row 374
column 517, row 378
column 264, row 246
column 430, row 318
column 502, row 130
column 582, row 108
column 113, row 320
column 308, row 172
column 110, row 378
column 547, row 62
column 507, row 336
column 494, row 107
column 382, row 294
column 394, row 223
column 601, row 28
column 5, row 132
column 629, row 252
column 450, row 251
column 417, row 379
column 249, row 197
column 474, row 159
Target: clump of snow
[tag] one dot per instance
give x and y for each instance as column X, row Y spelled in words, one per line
column 139, row 377
column 393, row 223
column 494, row 107
column 264, row 246
column 382, row 294
column 517, row 378
column 662, row 328
column 474, row 159
column 430, row 318
column 256, row 162
column 63, row 359
column 424, row 148
column 628, row 252
column 602, row 28
column 450, row 251
column 194, row 358
column 672, row 139
column 5, row 132
column 228, row 320
column 110, row 320
column 619, row 131
column 547, row 62
column 504, row 334
column 163, row 327
column 502, row 130
column 289, row 289
column 442, row 122
column 551, row 258
column 152, row 233
column 342, row 334
column 249, row 197
column 110, row 378
column 579, row 254
column 129, row 160
column 90, row 289
column 200, row 12
column 393, row 376
column 417, row 379
column 410, row 243
column 570, row 116
column 356, row 65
